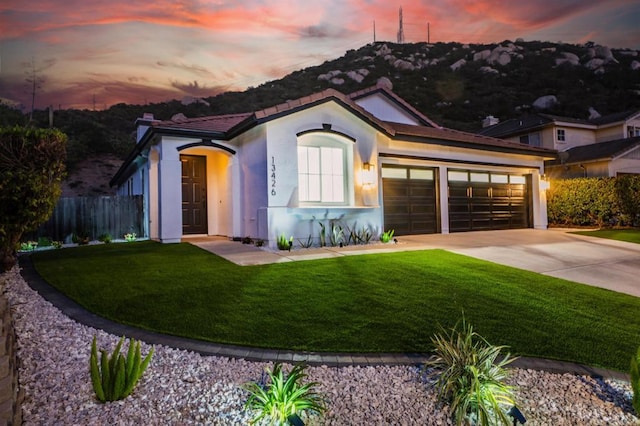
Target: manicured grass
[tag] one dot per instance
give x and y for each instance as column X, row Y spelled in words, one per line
column 628, row 235
column 369, row 303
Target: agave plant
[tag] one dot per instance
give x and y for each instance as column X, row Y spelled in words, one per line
column 469, row 376
column 283, row 397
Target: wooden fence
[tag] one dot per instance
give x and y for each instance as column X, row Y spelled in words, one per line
column 115, row 215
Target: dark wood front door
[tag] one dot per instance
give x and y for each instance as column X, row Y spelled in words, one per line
column 194, row 194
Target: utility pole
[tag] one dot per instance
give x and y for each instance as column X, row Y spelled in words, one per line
column 374, row 30
column 428, row 34
column 400, row 29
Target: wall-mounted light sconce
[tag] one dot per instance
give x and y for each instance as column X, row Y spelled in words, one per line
column 368, row 177
column 544, row 184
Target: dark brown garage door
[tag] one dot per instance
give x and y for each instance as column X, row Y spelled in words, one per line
column 410, row 200
column 485, row 200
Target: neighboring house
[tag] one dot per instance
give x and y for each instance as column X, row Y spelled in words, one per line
column 612, row 158
column 583, row 144
column 368, row 159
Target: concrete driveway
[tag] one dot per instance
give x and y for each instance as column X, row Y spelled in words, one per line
column 595, row 261
column 609, row 264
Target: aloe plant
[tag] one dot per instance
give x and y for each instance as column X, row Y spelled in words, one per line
column 115, row 376
column 284, row 243
column 470, row 378
column 386, row 236
column 283, row 397
column 323, row 237
column 337, row 235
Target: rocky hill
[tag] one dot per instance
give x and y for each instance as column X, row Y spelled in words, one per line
column 457, row 85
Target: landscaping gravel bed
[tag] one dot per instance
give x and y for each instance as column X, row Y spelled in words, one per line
column 185, row 388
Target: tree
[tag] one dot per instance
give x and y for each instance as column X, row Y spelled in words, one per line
column 31, row 170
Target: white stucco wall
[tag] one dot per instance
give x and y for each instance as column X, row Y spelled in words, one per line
column 383, row 108
column 283, row 213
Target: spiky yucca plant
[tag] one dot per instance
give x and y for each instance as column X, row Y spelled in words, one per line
column 469, row 376
column 115, row 376
column 635, row 381
column 283, row 397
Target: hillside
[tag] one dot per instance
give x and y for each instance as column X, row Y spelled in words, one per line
column 456, row 85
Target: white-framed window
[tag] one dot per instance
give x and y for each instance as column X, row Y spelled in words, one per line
column 633, row 131
column 532, row 139
column 323, row 177
column 561, row 135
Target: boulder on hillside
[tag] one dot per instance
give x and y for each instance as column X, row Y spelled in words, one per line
column 488, row 70
column 328, row 76
column 337, row 81
column 458, row 64
column 568, row 58
column 384, row 82
column 545, row 102
column 593, row 114
column 482, row 55
column 604, row 52
column 383, row 51
column 635, row 65
column 357, row 77
column 401, row 64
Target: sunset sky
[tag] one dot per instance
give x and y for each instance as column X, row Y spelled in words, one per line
column 90, row 52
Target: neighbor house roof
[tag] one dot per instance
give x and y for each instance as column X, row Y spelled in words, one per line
column 226, row 127
column 598, row 151
column 537, row 121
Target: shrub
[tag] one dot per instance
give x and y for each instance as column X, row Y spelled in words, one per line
column 105, row 238
column 283, row 397
column 31, row 170
column 469, row 377
column 595, row 201
column 81, row 238
column 115, row 376
column 130, row 237
column 635, row 381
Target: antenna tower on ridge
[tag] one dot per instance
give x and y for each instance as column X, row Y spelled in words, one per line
column 400, row 29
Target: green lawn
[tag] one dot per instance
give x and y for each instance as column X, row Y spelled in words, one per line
column 628, row 235
column 367, row 303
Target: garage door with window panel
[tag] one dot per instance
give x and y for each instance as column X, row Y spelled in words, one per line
column 410, row 200
column 480, row 200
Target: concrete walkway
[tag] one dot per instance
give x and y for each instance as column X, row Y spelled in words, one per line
column 609, row 264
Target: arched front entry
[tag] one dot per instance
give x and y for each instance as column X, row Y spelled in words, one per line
column 206, row 191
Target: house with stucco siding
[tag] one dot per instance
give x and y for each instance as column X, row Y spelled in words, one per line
column 365, row 159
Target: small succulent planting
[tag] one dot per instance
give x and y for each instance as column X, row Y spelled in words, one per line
column 259, row 242
column 81, row 238
column 29, row 246
column 114, row 377
column 284, row 243
column 306, row 244
column 281, row 399
column 57, row 244
column 470, row 376
column 387, row 236
column 105, row 238
column 130, row 237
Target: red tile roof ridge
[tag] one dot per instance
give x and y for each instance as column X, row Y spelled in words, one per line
column 160, row 123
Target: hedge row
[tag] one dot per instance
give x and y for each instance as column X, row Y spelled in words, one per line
column 602, row 202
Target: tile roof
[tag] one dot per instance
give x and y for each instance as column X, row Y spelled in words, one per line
column 530, row 122
column 214, row 123
column 597, row 151
column 472, row 139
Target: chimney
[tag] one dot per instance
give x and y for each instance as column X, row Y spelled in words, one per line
column 142, row 124
column 490, row 121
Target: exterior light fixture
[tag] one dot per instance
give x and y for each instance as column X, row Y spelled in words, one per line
column 544, row 184
column 368, row 176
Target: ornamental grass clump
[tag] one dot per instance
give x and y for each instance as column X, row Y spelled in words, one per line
column 635, row 381
column 283, row 399
column 470, row 378
column 115, row 376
